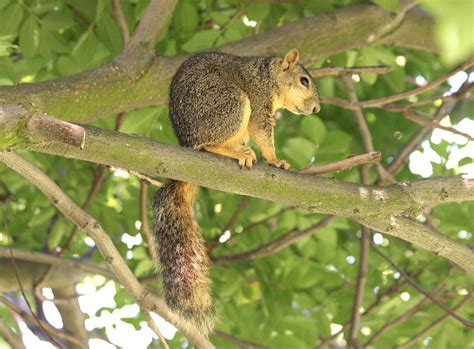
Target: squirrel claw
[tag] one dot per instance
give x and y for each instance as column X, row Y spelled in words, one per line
column 280, row 164
column 246, row 161
column 249, row 151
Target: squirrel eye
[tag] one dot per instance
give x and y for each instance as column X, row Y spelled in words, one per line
column 304, row 81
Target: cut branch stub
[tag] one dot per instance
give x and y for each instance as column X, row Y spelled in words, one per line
column 21, row 127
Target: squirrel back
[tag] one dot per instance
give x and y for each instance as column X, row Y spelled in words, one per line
column 217, row 101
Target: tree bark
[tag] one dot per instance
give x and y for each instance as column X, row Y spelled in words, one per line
column 119, row 86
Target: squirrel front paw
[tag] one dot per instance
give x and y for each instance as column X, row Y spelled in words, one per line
column 280, row 164
column 246, row 160
column 249, row 151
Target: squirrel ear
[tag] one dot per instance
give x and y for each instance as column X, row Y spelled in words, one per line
column 291, row 59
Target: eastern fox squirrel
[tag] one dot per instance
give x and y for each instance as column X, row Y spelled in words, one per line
column 216, row 102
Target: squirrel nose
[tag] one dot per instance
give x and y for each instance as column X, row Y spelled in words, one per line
column 316, row 109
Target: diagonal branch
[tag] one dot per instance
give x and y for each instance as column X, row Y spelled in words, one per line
column 421, row 290
column 431, row 326
column 104, row 243
column 12, row 338
column 139, row 50
column 31, row 319
column 275, row 245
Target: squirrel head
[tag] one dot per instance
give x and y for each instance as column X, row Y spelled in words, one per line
column 297, row 90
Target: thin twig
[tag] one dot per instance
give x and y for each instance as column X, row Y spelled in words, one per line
column 121, row 21
column 345, row 164
column 146, row 179
column 333, row 71
column 34, row 321
column 22, row 291
column 381, row 102
column 401, row 319
column 420, row 289
column 275, row 245
column 11, row 337
column 147, row 235
column 382, row 295
column 359, row 293
column 57, row 261
column 241, row 205
column 395, row 23
column 432, row 326
column 155, row 329
column 410, row 115
column 241, row 343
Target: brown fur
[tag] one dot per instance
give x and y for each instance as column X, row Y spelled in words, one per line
column 218, row 101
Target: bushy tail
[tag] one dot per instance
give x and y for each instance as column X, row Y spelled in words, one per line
column 184, row 262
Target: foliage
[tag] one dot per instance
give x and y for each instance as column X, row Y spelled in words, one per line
column 289, row 299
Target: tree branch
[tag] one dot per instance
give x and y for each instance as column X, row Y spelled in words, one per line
column 140, row 49
column 343, row 164
column 412, row 282
column 47, row 327
column 12, row 338
column 377, row 207
column 71, row 314
column 59, row 262
column 121, row 21
column 332, row 71
column 274, row 246
column 117, row 87
column 431, row 326
column 104, row 243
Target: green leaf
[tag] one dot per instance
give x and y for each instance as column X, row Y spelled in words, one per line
column 99, row 9
column 57, row 20
column 185, row 17
column 201, row 40
column 299, row 151
column 10, row 19
column 144, row 267
column 391, row 5
column 313, row 128
column 29, row 37
column 59, row 230
column 258, row 12
column 140, row 121
column 368, row 57
column 454, row 28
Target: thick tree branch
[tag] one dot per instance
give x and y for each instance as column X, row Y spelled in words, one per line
column 63, row 266
column 140, row 49
column 72, row 316
column 117, row 87
column 104, row 243
column 377, row 207
column 31, row 272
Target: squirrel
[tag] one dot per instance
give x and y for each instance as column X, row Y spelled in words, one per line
column 216, row 102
